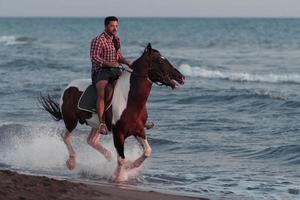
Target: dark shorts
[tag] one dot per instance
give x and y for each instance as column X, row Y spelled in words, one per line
column 106, row 73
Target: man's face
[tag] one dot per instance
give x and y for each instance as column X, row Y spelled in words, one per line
column 112, row 28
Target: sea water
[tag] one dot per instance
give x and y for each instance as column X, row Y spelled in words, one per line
column 232, row 131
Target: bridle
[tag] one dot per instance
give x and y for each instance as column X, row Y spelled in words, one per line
column 122, row 67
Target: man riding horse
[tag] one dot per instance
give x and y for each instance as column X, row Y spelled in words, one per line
column 127, row 114
column 106, row 57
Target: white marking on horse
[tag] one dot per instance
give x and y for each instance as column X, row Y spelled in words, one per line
column 80, row 84
column 145, row 145
column 120, row 97
column 93, row 121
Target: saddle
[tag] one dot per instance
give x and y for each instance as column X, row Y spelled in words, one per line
column 88, row 100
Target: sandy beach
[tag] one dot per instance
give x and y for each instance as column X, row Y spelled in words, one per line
column 22, row 187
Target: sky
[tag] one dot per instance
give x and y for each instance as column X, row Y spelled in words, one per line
column 151, row 8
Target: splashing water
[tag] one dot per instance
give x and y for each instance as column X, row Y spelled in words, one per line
column 42, row 150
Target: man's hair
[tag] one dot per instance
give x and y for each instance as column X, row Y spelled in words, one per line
column 109, row 19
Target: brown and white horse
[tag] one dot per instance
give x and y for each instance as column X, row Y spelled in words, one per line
column 128, row 113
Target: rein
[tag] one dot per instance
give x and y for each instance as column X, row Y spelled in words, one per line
column 135, row 74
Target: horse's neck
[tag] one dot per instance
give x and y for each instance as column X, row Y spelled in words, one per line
column 131, row 92
column 140, row 66
column 140, row 84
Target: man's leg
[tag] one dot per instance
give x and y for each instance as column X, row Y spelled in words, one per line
column 101, row 85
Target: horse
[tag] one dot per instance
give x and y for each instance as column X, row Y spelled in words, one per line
column 127, row 114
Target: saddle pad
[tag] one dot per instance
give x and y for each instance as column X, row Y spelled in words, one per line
column 88, row 100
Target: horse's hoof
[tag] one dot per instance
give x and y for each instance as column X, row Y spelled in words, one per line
column 147, row 153
column 108, row 156
column 121, row 178
column 71, row 163
column 116, row 180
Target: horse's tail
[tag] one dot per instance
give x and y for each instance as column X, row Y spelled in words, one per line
column 51, row 107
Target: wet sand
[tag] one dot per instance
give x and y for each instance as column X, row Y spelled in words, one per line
column 27, row 187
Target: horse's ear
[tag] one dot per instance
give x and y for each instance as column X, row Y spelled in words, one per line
column 148, row 48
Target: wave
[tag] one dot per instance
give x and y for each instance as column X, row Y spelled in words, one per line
column 157, row 142
column 188, row 70
column 291, row 104
column 232, row 95
column 14, row 40
column 289, row 154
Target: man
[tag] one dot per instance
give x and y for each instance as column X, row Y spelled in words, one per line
column 106, row 57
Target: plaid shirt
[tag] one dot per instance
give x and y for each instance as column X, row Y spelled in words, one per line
column 102, row 48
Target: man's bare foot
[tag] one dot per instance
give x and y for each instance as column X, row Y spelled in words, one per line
column 102, row 129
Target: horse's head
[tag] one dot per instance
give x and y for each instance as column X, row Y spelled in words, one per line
column 161, row 70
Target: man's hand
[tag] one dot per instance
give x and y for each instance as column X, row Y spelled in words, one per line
column 125, row 61
column 116, row 64
column 129, row 63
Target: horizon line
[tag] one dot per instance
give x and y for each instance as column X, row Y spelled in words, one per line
column 213, row 17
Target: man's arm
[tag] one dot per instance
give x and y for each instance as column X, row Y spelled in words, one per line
column 122, row 59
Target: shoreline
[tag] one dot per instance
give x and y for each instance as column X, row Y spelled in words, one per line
column 20, row 186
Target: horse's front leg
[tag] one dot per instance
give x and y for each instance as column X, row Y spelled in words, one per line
column 119, row 145
column 147, row 153
column 67, row 138
column 94, row 141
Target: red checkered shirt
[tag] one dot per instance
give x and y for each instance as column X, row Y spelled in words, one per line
column 102, row 48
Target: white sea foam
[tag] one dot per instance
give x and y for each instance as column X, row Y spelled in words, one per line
column 7, row 40
column 195, row 71
column 13, row 40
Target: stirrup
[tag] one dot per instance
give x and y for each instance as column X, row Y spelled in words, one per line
column 103, row 131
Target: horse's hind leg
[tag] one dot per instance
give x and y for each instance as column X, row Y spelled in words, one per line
column 94, row 141
column 70, row 124
column 71, row 162
column 69, row 106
